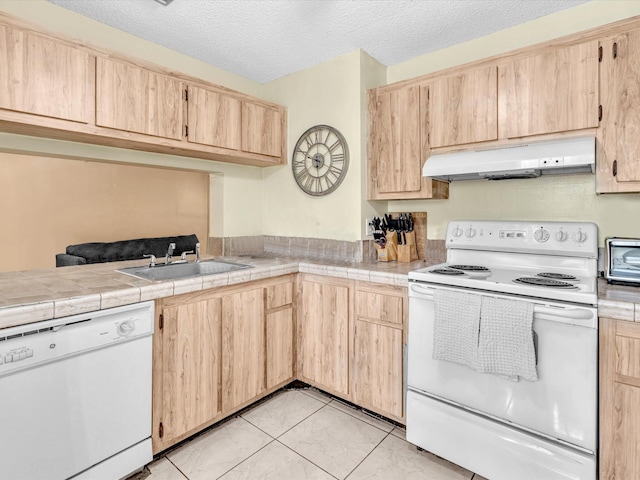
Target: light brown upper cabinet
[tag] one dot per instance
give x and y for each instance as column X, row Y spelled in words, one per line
column 213, row 118
column 262, row 129
column 137, row 100
column 618, row 156
column 398, row 146
column 553, row 91
column 41, row 76
column 463, row 108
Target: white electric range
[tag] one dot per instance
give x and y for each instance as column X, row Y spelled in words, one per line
column 489, row 424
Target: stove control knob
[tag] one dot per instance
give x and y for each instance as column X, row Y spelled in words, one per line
column 457, row 232
column 471, row 232
column 541, row 235
column 561, row 236
column 579, row 236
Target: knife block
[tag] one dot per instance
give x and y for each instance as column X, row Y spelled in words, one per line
column 408, row 252
column 390, row 251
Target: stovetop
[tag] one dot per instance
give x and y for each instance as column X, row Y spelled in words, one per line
column 516, row 258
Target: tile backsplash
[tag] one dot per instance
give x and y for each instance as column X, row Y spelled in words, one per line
column 340, row 250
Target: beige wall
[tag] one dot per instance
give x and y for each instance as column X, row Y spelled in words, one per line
column 49, row 203
column 328, row 93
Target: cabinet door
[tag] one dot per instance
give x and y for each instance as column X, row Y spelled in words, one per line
column 137, row 100
column 463, row 108
column 279, row 346
column 324, row 334
column 619, row 399
column 41, row 76
column 618, row 158
column 243, row 347
column 261, row 129
column 555, row 91
column 213, row 118
column 397, row 144
column 378, row 367
column 190, row 367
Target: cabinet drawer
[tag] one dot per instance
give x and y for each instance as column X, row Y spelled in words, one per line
column 279, row 295
column 379, row 307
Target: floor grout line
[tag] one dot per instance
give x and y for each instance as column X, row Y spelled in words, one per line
column 367, row 456
column 176, row 467
column 305, row 458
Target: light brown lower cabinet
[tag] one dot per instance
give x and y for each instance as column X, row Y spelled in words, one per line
column 377, row 366
column 216, row 351
column 351, row 339
column 619, row 400
column 243, row 347
column 323, row 334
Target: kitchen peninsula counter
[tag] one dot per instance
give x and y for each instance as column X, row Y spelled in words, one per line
column 38, row 295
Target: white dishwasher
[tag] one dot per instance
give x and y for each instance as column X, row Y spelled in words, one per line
column 75, row 396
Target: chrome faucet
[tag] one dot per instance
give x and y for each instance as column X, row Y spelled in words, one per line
column 172, row 247
column 197, row 252
column 152, row 262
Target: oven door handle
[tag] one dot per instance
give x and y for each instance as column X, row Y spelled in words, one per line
column 543, row 311
column 422, row 291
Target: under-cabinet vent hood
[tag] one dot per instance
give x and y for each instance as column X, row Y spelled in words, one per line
column 575, row 155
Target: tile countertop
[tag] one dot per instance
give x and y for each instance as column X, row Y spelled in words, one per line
column 618, row 301
column 36, row 295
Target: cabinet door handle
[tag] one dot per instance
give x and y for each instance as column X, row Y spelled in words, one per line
column 615, row 50
column 599, row 113
column 615, row 168
column 600, row 53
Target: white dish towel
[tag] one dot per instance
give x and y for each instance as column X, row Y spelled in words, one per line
column 506, row 339
column 456, row 326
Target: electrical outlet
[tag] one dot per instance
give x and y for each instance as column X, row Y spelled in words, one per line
column 368, row 228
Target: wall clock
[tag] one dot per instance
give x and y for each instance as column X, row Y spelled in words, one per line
column 320, row 160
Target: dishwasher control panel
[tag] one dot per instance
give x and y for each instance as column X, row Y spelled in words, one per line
column 28, row 345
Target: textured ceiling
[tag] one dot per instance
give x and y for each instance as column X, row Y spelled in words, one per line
column 266, row 39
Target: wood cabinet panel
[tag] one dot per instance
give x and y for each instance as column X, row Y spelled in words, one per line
column 398, row 141
column 619, row 399
column 262, row 129
column 213, row 118
column 42, row 76
column 378, row 367
column 463, row 108
column 553, row 91
column 325, row 316
column 618, row 154
column 279, row 295
column 138, row 100
column 376, row 306
column 243, row 347
column 190, row 367
column 279, row 346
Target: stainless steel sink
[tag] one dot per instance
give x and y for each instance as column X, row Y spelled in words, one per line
column 176, row 271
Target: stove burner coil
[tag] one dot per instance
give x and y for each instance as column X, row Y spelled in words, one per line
column 446, row 271
column 556, row 276
column 470, row 268
column 544, row 282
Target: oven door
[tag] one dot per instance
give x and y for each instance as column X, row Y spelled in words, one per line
column 562, row 404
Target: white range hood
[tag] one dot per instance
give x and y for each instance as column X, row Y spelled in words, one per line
column 575, row 155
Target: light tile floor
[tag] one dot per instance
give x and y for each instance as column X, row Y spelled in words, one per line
column 303, row 435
